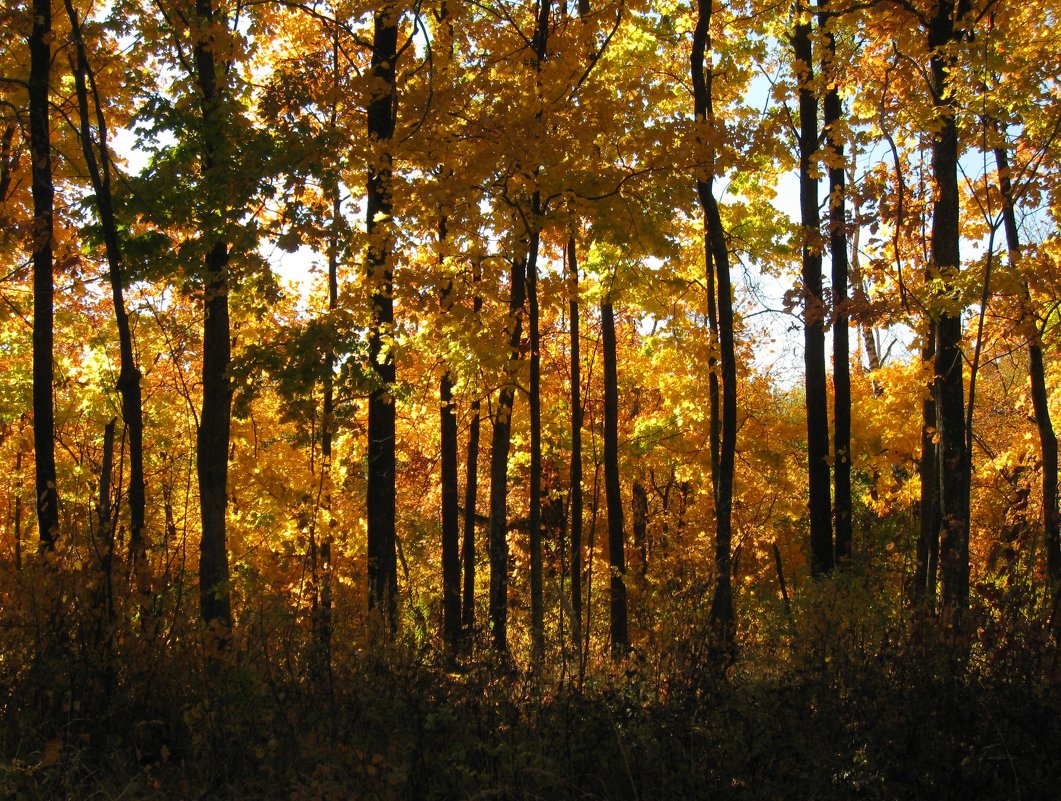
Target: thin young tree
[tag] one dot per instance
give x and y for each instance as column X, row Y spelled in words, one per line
column 816, row 395
column 43, row 190
column 723, row 616
column 380, row 505
column 96, row 151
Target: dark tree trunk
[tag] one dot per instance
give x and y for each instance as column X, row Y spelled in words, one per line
column 451, row 558
column 928, row 468
column 540, row 45
column 502, row 437
column 1040, row 402
column 321, row 557
column 215, row 419
column 43, row 286
column 471, row 492
column 103, row 592
column 382, row 550
column 723, row 616
column 576, row 448
column 819, row 504
column 620, row 637
column 128, row 373
column 954, row 464
column 535, row 404
column 833, row 110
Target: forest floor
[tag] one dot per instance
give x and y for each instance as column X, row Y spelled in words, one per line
column 402, row 722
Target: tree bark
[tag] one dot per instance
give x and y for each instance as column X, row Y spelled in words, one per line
column 613, row 496
column 128, row 384
column 954, row 464
column 471, row 492
column 43, row 284
column 535, row 408
column 723, row 615
column 451, row 557
column 215, row 418
column 819, row 503
column 575, row 499
column 380, row 504
column 321, row 556
column 540, row 45
column 1040, row 403
column 927, row 569
column 502, row 437
column 833, row 110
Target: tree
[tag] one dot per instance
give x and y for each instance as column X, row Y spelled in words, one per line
column 620, row 637
column 43, row 285
column 944, row 30
column 382, row 553
column 97, row 155
column 832, row 108
column 575, row 498
column 216, row 416
column 723, row 616
column 814, row 314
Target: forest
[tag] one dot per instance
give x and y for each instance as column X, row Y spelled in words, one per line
column 466, row 399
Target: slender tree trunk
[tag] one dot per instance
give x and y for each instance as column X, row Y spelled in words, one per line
column 713, row 385
column 322, row 556
column 833, row 111
column 103, row 592
column 613, row 496
column 723, row 616
column 819, row 505
column 43, row 287
column 451, row 558
column 382, row 551
column 953, row 458
column 215, row 418
column 540, row 45
column 471, row 492
column 575, row 500
column 128, row 373
column 927, row 569
column 17, row 523
column 1040, row 401
column 535, row 404
column 502, row 437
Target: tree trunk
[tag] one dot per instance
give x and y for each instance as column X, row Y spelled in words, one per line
column 954, row 465
column 214, row 421
column 451, row 561
column 43, row 287
column 540, row 45
column 471, row 492
column 819, row 504
column 502, row 437
column 928, row 469
column 322, row 552
column 535, row 404
column 723, row 615
column 575, row 499
column 128, row 373
column 1040, row 402
column 380, row 504
column 620, row 637
column 833, row 111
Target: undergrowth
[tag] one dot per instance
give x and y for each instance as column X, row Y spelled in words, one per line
column 827, row 700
